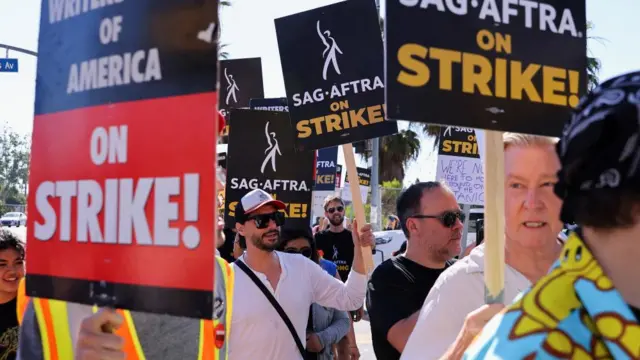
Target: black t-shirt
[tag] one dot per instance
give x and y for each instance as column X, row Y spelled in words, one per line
column 337, row 248
column 397, row 289
column 8, row 330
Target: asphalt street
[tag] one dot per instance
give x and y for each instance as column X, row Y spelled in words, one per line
column 363, row 338
column 20, row 232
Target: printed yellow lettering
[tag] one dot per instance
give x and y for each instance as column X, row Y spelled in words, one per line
column 342, row 121
column 304, row 131
column 333, row 122
column 419, row 73
column 522, row 81
column 317, row 122
column 472, row 79
column 374, row 114
column 446, row 59
column 553, row 78
column 356, row 117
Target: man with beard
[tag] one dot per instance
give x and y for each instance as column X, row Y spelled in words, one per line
column 335, row 242
column 432, row 222
column 295, row 282
column 336, row 246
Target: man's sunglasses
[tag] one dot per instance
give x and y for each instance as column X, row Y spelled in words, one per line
column 262, row 220
column 306, row 251
column 447, row 218
column 331, row 210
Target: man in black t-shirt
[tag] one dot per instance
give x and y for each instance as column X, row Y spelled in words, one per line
column 335, row 243
column 432, row 222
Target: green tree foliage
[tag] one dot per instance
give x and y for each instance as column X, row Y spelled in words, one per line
column 389, row 195
column 14, row 166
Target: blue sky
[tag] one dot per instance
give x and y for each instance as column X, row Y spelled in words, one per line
column 614, row 21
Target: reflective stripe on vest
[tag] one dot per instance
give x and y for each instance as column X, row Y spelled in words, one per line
column 218, row 330
column 57, row 344
column 23, row 300
column 54, row 329
column 131, row 342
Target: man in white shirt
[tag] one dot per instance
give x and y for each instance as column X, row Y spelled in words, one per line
column 454, row 311
column 258, row 331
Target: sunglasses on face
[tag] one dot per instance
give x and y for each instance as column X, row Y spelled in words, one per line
column 447, row 218
column 331, row 210
column 305, row 251
column 262, row 220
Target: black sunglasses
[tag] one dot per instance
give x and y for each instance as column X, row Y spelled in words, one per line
column 262, row 220
column 306, row 251
column 331, row 210
column 447, row 218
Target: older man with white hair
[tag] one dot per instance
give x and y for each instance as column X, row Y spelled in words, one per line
column 454, row 311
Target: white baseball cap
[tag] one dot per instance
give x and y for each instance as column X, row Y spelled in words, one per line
column 254, row 200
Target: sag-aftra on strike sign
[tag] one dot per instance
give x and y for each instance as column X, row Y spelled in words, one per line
column 332, row 63
column 121, row 196
column 493, row 64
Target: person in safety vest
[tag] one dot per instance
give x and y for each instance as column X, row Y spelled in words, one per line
column 588, row 306
column 57, row 330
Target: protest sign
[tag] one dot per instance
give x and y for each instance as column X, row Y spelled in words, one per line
column 459, row 164
column 270, row 104
column 364, row 177
column 261, row 156
column 121, row 198
column 332, row 62
column 338, row 175
column 490, row 64
column 326, row 166
column 240, row 81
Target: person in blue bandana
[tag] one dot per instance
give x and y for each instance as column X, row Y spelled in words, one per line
column 588, row 306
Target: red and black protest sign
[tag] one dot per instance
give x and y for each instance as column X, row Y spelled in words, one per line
column 490, row 64
column 121, row 198
column 240, row 81
column 332, row 63
column 262, row 156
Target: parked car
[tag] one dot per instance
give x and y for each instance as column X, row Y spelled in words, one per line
column 13, row 219
column 386, row 243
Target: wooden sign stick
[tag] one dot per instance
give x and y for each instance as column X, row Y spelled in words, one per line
column 356, row 198
column 494, row 217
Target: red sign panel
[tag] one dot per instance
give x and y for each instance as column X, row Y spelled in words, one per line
column 121, row 191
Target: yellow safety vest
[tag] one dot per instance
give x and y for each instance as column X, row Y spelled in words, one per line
column 56, row 336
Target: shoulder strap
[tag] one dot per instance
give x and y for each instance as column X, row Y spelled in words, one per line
column 273, row 302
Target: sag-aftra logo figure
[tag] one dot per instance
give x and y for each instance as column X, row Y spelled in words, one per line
column 329, row 53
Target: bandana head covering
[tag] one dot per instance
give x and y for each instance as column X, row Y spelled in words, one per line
column 600, row 146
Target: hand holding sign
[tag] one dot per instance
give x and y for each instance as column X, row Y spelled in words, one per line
column 96, row 344
column 363, row 239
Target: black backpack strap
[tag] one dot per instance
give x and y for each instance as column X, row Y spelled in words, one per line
column 273, row 302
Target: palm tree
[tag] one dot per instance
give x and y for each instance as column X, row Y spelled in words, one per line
column 223, row 54
column 396, row 152
column 593, row 64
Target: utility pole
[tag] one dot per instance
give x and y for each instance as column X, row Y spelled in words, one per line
column 28, row 52
column 375, row 174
